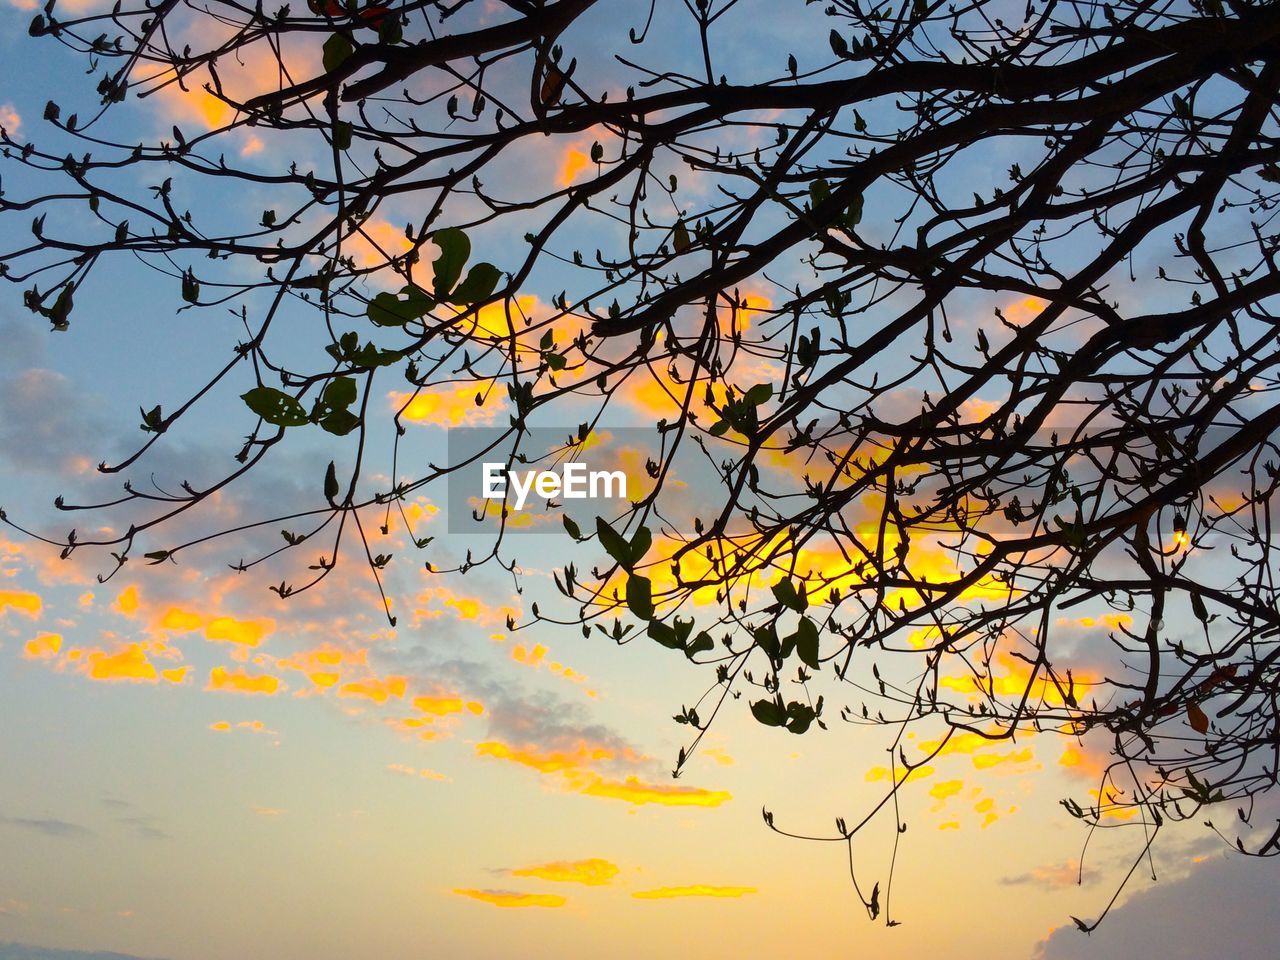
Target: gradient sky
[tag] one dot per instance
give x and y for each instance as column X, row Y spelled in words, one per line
column 193, row 769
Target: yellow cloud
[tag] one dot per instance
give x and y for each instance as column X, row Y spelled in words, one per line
column 22, row 601
column 943, row 789
column 545, row 761
column 241, row 681
column 126, row 602
column 379, row 691
column 593, row 872
column 443, row 706
column 44, row 647
column 632, row 790
column 512, row 898
column 694, row 890
column 248, row 633
column 129, row 663
column 450, row 406
column 179, row 620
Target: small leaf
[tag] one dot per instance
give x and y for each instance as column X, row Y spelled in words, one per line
column 1197, row 718
column 275, row 407
column 455, row 248
column 340, row 422
column 640, row 596
column 336, row 50
column 665, row 635
column 640, row 544
column 806, row 638
column 331, row 483
column 573, row 529
column 760, row 393
column 769, row 713
column 342, row 133
column 785, row 593
column 613, row 544
column 479, row 285
column 680, row 237
column 339, row 393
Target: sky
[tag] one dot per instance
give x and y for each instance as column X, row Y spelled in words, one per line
column 195, row 769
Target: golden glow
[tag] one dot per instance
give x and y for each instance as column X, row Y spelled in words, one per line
column 22, row 601
column 593, row 872
column 44, row 647
column 241, row 681
column 248, row 633
column 512, row 898
column 694, row 890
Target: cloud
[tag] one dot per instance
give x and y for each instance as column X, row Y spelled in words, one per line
column 513, row 898
column 249, row 633
column 1225, row 906
column 43, row 647
column 46, row 422
column 21, row 600
column 241, row 681
column 9, row 118
column 49, row 827
column 593, row 872
column 694, row 890
column 450, row 406
column 128, row 663
column 1053, row 875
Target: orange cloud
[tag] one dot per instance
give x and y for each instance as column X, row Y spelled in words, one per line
column 450, row 406
column 512, row 898
column 694, row 890
column 545, row 761
column 241, row 681
column 44, row 647
column 126, row 602
column 944, row 789
column 632, row 790
column 594, row 872
column 22, row 601
column 179, row 621
column 129, row 663
column 375, row 689
column 443, row 706
column 248, row 633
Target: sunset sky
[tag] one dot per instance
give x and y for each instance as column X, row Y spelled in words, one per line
column 194, row 769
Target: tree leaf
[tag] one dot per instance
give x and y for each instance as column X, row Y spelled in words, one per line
column 613, row 543
column 331, row 483
column 640, row 596
column 665, row 634
column 340, row 422
column 806, row 642
column 1197, row 718
column 769, row 713
column 572, row 528
column 339, row 393
column 785, row 593
column 455, row 248
column 275, row 407
column 336, row 50
column 479, row 285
